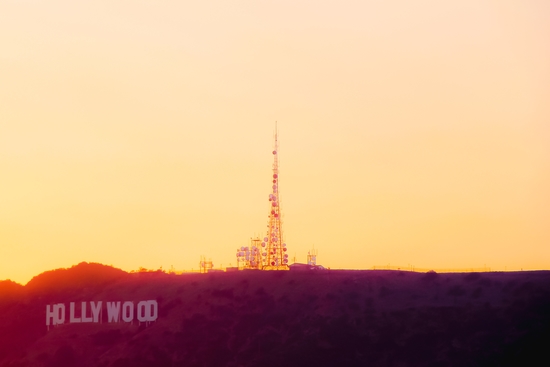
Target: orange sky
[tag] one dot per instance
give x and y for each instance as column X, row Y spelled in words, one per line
column 139, row 133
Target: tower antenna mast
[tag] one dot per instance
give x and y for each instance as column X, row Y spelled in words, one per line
column 274, row 256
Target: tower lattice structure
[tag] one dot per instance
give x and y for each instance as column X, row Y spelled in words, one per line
column 250, row 257
column 274, row 251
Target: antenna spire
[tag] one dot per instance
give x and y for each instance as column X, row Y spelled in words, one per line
column 271, row 253
column 274, row 255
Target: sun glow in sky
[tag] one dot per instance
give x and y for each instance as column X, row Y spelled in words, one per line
column 139, row 133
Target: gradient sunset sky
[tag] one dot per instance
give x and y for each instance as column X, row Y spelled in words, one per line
column 139, row 133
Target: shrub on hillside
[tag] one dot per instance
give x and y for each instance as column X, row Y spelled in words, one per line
column 223, row 293
column 456, row 291
column 430, row 276
column 471, row 277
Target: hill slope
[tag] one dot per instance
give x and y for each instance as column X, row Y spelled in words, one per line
column 324, row 318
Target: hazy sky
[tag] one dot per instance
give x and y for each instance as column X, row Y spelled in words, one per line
column 139, row 133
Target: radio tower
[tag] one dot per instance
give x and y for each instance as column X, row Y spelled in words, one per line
column 274, row 256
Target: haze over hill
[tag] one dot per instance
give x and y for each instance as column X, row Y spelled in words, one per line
column 253, row 318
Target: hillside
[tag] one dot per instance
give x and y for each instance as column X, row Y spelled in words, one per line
column 250, row 318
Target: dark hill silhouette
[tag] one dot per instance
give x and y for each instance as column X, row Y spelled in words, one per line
column 80, row 276
column 321, row 318
column 9, row 289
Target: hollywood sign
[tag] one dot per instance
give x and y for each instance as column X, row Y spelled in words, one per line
column 145, row 311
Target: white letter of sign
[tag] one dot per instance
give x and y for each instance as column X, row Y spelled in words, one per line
column 71, row 314
column 84, row 318
column 50, row 314
column 59, row 313
column 113, row 311
column 96, row 308
column 147, row 310
column 128, row 311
